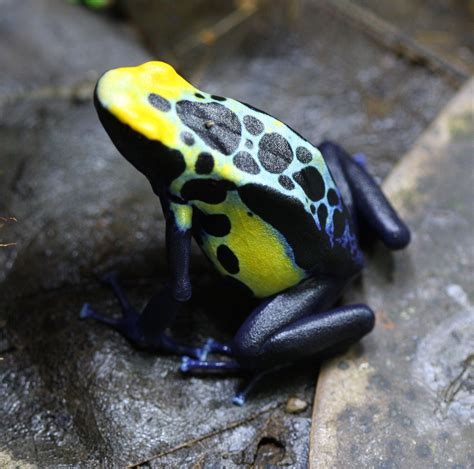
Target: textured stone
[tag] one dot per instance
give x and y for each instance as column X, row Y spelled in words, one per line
column 76, row 392
column 404, row 398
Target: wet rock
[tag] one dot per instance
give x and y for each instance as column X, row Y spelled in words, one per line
column 77, row 392
column 407, row 400
column 295, row 63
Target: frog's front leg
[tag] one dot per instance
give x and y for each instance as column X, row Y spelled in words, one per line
column 293, row 325
column 148, row 328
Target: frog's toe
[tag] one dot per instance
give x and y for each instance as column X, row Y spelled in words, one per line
column 190, row 364
column 111, row 279
column 86, row 311
column 126, row 325
column 239, row 399
column 213, row 346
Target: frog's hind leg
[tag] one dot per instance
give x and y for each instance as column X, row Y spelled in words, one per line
column 293, row 325
column 364, row 198
column 300, row 324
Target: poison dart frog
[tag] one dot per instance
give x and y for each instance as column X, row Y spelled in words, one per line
column 272, row 212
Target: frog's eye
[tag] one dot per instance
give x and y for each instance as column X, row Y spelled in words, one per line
column 217, row 125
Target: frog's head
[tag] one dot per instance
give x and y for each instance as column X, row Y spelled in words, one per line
column 135, row 106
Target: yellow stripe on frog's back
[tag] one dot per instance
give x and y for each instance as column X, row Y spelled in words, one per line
column 264, row 263
column 124, row 92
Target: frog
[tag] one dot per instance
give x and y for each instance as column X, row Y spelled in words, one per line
column 277, row 216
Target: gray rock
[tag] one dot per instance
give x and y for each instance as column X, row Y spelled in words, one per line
column 76, row 392
column 407, row 400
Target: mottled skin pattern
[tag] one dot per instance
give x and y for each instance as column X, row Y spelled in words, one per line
column 270, row 210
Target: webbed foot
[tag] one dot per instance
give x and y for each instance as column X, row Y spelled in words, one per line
column 130, row 324
column 189, row 365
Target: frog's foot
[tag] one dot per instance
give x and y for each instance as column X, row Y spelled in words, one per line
column 188, row 365
column 241, row 395
column 213, row 346
column 130, row 324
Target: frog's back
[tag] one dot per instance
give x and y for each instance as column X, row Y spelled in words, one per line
column 267, row 210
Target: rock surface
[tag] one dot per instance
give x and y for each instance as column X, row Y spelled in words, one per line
column 407, row 400
column 77, row 393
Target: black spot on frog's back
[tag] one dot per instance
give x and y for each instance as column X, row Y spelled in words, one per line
column 211, row 191
column 311, row 181
column 253, row 125
column 303, row 155
column 275, row 153
column 204, row 163
column 245, row 162
column 322, row 215
column 225, row 132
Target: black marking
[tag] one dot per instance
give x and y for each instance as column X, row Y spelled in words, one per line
column 303, row 155
column 253, row 125
column 159, row 102
column 217, row 225
column 289, row 217
column 211, row 191
column 255, row 109
column 322, row 215
column 311, row 182
column 312, row 208
column 187, row 138
column 245, row 162
column 228, row 259
column 250, row 214
column 333, row 198
column 249, row 144
column 214, row 225
column 157, row 162
column 275, row 153
column 204, row 163
column 311, row 247
column 224, row 135
column 286, row 182
column 339, row 223
column 218, row 98
column 199, row 95
column 175, row 199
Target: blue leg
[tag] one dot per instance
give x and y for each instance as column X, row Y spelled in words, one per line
column 127, row 325
column 293, row 325
column 363, row 196
column 111, row 279
column 241, row 395
column 144, row 330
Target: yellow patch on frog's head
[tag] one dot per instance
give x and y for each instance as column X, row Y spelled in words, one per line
column 141, row 97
